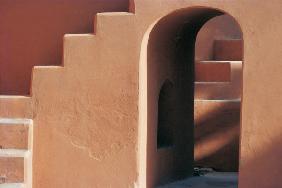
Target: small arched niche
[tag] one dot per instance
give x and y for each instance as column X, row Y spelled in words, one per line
column 165, row 116
column 168, row 51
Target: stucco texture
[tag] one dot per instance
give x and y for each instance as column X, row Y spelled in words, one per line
column 87, row 126
column 31, row 34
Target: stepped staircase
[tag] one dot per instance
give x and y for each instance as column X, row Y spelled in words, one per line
column 16, row 134
column 217, row 107
column 16, row 118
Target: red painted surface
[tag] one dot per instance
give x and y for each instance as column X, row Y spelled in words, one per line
column 31, row 34
column 88, row 112
column 212, row 72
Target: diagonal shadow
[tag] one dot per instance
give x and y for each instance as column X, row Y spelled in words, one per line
column 217, row 137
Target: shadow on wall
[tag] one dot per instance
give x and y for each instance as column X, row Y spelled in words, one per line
column 263, row 162
column 165, row 109
column 217, row 123
column 31, row 33
column 217, row 134
column 170, row 55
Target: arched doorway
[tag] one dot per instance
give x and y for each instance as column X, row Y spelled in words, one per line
column 168, row 53
column 217, row 95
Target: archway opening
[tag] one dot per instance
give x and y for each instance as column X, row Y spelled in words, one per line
column 169, row 57
column 217, row 95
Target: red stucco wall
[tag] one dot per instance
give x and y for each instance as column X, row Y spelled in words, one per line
column 86, row 114
column 31, row 34
column 217, row 123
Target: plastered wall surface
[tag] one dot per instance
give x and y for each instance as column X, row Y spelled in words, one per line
column 220, row 27
column 31, row 34
column 257, row 122
column 86, row 114
column 217, row 123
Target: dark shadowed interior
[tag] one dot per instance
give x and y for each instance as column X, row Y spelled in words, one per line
column 165, row 109
column 171, row 55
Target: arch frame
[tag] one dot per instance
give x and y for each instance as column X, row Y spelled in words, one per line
column 143, row 90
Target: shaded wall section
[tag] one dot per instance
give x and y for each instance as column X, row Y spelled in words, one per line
column 217, row 28
column 217, row 131
column 31, row 33
column 217, row 123
column 171, row 57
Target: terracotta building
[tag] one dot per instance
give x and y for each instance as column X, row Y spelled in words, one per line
column 140, row 93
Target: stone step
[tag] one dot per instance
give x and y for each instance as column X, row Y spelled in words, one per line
column 15, row 106
column 217, row 130
column 216, row 91
column 15, row 121
column 222, row 90
column 14, row 137
column 11, row 167
column 12, row 164
column 14, row 141
column 212, row 71
column 12, row 185
column 14, row 133
column 72, row 44
column 228, row 50
column 14, row 153
column 108, row 21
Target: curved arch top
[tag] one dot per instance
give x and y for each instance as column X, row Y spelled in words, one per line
column 168, row 41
